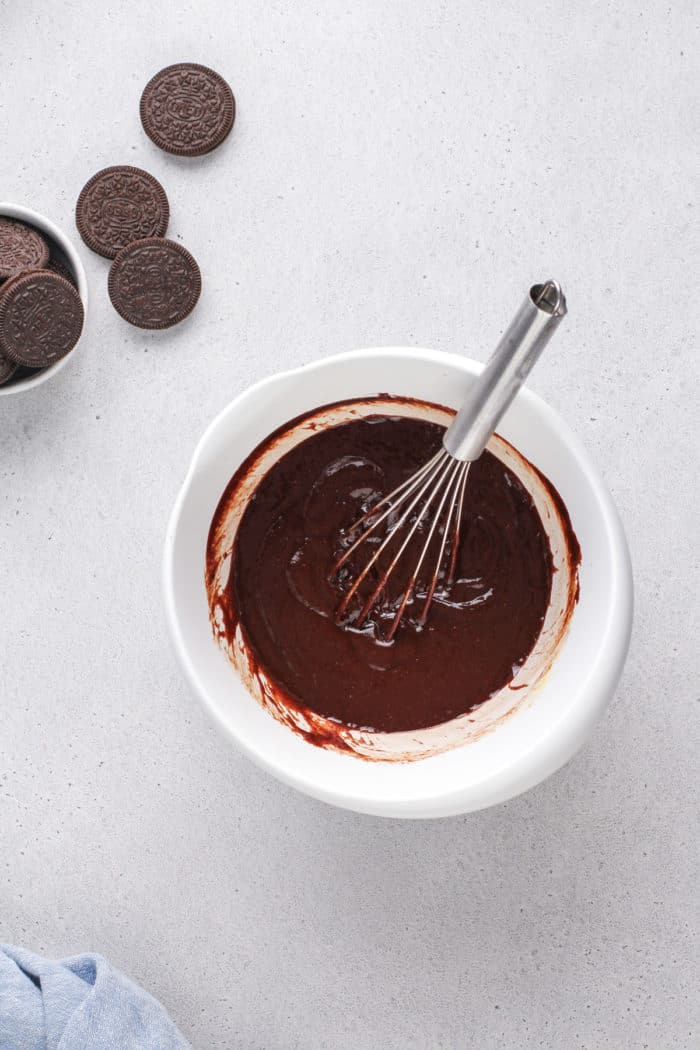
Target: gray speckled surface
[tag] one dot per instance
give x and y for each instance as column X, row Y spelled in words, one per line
column 397, row 174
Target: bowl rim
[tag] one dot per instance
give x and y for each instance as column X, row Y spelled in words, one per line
column 22, row 213
column 564, row 735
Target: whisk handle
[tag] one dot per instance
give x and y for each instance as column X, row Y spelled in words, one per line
column 506, row 371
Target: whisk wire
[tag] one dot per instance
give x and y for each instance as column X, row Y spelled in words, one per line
column 443, row 480
column 392, row 503
column 457, row 484
column 450, row 476
column 439, row 466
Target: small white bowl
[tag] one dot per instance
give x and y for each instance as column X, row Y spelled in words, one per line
column 71, row 258
column 542, row 732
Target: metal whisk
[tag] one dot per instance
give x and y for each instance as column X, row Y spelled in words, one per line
column 438, row 487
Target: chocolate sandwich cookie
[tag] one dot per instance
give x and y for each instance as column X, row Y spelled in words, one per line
column 187, row 109
column 6, row 285
column 56, row 266
column 41, row 318
column 22, row 248
column 7, row 369
column 154, row 283
column 120, row 205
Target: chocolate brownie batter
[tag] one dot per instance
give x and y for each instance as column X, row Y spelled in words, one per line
column 284, row 593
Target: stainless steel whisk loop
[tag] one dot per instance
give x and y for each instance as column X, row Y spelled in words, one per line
column 438, row 487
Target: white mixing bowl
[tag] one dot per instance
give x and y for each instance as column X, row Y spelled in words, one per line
column 542, row 732
column 69, row 256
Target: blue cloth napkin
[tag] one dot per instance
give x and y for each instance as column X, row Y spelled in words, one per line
column 81, row 1003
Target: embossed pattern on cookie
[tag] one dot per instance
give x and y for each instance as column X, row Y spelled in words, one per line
column 41, row 318
column 21, row 248
column 119, row 205
column 154, row 283
column 187, row 109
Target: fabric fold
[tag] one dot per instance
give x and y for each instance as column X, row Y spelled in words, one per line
column 79, row 1003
